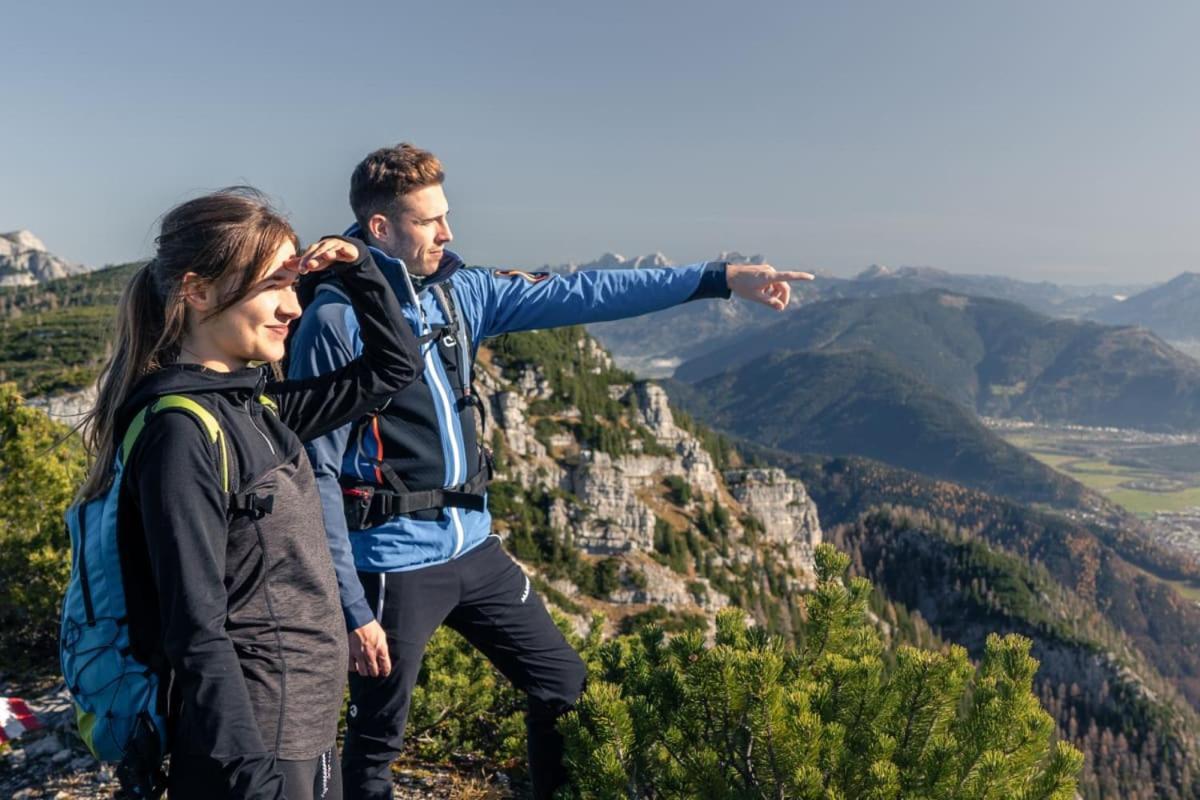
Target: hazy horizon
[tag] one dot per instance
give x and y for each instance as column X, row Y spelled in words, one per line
column 1037, row 141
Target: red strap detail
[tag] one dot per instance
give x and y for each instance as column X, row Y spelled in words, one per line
column 378, row 446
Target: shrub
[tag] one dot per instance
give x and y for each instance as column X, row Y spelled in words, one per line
column 680, row 491
column 462, row 706
column 41, row 465
column 749, row 717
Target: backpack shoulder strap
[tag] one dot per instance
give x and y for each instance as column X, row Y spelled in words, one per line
column 444, row 294
column 208, row 422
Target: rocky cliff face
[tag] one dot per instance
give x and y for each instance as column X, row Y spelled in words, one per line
column 782, row 504
column 24, row 261
column 68, row 408
column 621, row 505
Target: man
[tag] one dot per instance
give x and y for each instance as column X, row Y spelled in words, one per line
column 404, row 489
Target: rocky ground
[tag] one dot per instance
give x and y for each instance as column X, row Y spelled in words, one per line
column 52, row 763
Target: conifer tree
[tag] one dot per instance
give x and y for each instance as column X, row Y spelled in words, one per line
column 749, row 718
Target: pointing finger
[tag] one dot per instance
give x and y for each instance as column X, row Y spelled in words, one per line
column 793, row 276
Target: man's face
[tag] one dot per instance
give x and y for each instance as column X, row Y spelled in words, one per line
column 418, row 233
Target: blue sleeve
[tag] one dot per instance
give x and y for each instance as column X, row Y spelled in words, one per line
column 327, row 340
column 503, row 301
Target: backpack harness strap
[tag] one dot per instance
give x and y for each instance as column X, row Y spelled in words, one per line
column 367, row 504
column 249, row 503
column 445, row 299
column 183, row 403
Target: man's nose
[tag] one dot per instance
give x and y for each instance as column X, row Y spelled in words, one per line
column 444, row 234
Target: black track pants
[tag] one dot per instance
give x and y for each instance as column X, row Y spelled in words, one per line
column 317, row 778
column 486, row 597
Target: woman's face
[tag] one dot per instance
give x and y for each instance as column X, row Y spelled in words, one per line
column 255, row 328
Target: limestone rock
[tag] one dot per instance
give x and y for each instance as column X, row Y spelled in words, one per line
column 617, row 520
column 510, row 410
column 664, row 587
column 67, row 408
column 654, row 411
column 697, row 465
column 533, row 384
column 24, row 261
column 783, row 506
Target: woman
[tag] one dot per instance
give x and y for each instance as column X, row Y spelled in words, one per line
column 239, row 594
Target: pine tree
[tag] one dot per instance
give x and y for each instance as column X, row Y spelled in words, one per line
column 748, row 717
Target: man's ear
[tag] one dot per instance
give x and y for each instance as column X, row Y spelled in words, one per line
column 199, row 295
column 378, row 227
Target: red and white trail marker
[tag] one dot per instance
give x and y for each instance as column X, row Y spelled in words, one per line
column 15, row 719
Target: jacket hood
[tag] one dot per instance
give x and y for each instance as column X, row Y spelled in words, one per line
column 449, row 264
column 191, row 379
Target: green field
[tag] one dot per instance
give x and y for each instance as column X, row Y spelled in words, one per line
column 1110, row 469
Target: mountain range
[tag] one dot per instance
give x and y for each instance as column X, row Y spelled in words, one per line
column 994, row 357
column 861, row 403
column 614, row 503
column 1170, row 310
column 650, row 347
column 25, row 261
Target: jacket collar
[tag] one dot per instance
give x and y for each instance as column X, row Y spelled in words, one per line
column 391, row 267
column 192, row 379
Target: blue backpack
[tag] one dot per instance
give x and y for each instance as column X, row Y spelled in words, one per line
column 117, row 697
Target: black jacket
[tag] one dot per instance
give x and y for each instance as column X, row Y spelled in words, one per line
column 238, row 597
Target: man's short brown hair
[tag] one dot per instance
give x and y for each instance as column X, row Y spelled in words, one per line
column 386, row 175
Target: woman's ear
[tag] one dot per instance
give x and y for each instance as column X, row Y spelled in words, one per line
column 197, row 293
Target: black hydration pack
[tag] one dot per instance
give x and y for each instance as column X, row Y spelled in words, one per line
column 368, row 504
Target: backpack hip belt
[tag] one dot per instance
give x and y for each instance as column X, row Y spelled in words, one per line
column 368, row 505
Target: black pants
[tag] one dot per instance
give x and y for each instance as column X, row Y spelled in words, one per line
column 486, row 597
column 317, row 778
column 311, row 779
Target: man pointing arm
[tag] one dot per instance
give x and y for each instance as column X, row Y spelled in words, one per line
column 404, row 490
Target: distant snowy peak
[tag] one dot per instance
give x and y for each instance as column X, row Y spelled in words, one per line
column 658, row 259
column 24, row 261
column 874, row 271
column 880, row 272
column 734, row 257
column 24, row 240
column 614, row 261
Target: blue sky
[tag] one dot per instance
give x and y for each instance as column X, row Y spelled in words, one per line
column 1051, row 140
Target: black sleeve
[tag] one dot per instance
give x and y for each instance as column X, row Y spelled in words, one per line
column 390, row 360
column 174, row 472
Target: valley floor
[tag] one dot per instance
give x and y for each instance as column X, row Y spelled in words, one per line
column 1156, row 476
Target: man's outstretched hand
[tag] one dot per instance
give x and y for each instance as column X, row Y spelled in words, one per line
column 369, row 651
column 762, row 283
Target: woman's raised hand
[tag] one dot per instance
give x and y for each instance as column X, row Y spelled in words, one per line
column 319, row 255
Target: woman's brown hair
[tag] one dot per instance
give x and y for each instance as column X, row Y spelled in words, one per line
column 226, row 238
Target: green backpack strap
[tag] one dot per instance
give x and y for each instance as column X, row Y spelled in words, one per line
column 202, row 414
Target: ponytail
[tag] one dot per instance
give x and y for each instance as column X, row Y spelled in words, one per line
column 146, row 337
column 222, row 239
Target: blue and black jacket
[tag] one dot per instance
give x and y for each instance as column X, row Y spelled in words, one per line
column 426, row 434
